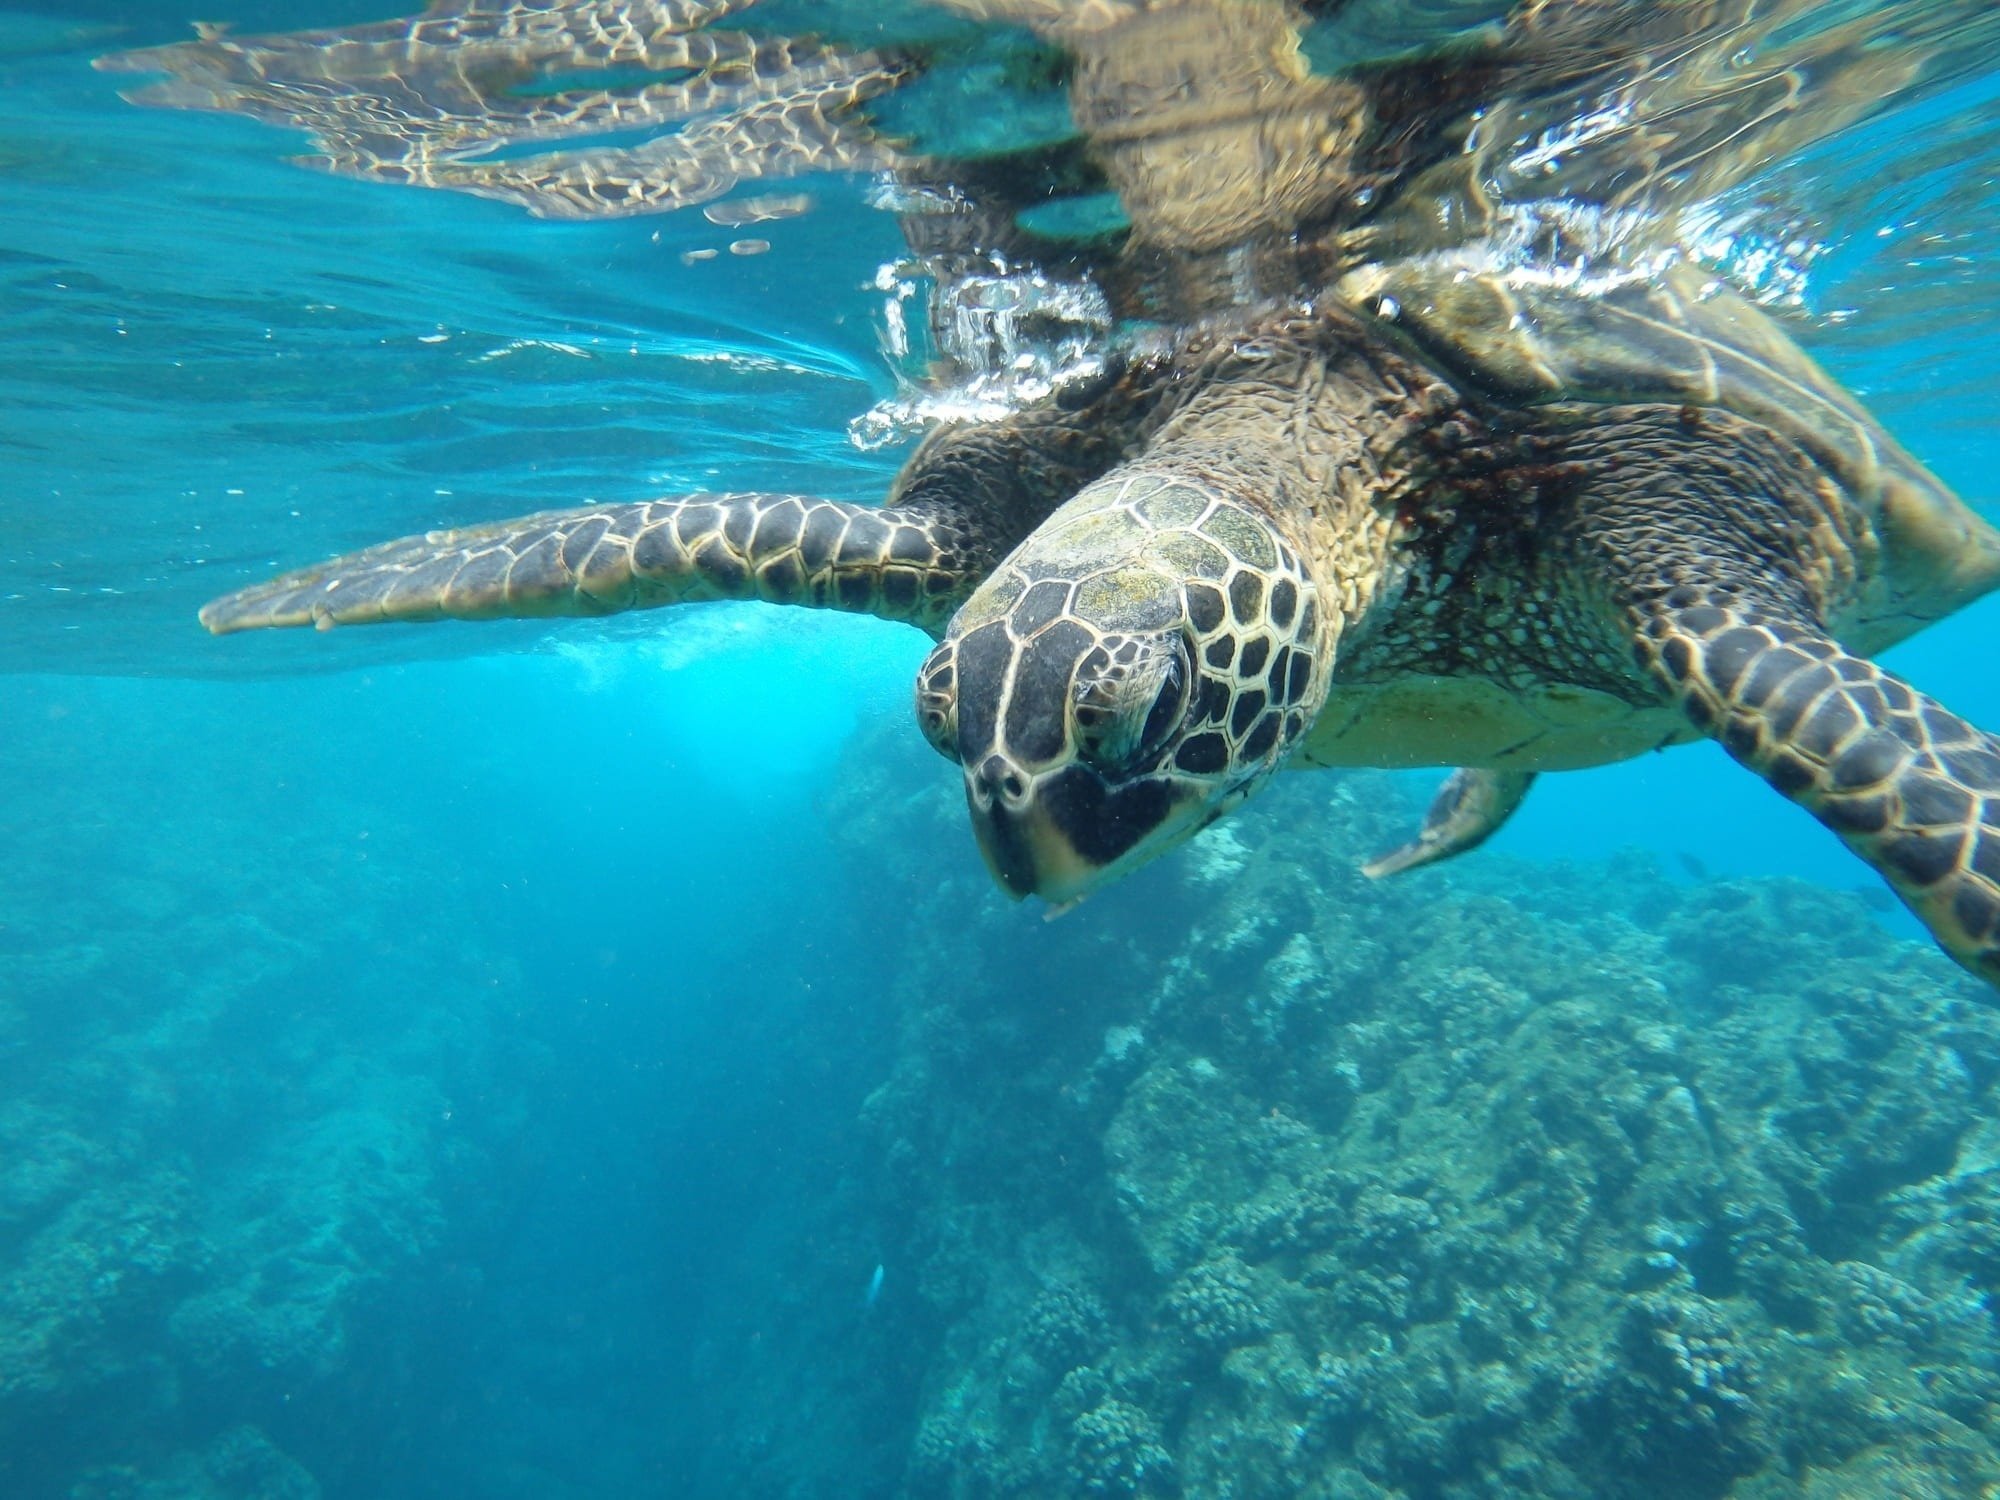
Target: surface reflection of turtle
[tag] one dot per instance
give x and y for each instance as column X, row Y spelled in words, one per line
column 1390, row 492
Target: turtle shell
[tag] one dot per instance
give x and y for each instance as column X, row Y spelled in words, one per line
column 1679, row 336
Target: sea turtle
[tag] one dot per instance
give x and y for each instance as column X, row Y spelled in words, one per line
column 1381, row 490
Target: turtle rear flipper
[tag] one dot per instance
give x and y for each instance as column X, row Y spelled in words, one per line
column 1907, row 784
column 1468, row 810
column 913, row 563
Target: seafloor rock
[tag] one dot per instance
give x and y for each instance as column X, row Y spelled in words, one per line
column 1489, row 1182
column 1115, row 1450
column 216, row 1158
column 1250, row 1179
column 241, row 1464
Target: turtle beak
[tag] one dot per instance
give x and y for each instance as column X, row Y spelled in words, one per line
column 1063, row 834
column 1028, row 856
column 1021, row 843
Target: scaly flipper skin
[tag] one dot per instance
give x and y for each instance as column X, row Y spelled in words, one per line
column 1699, row 537
column 965, row 497
column 906, row 563
column 1908, row 785
column 1468, row 810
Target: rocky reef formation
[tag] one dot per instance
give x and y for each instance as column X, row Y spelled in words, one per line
column 227, row 1142
column 326, row 1172
column 1253, row 1179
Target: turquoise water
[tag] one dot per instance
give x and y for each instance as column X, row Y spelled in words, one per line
column 495, row 1060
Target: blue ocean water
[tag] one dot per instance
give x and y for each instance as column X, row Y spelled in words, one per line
column 437, row 1062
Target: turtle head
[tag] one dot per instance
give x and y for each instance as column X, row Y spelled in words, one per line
column 1133, row 670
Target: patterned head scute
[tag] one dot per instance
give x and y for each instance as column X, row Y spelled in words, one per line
column 1133, row 670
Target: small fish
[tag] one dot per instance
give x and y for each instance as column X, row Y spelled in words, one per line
column 874, row 1290
column 1695, row 868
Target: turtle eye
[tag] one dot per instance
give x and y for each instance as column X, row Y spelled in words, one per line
column 937, row 703
column 1119, row 728
column 1169, row 704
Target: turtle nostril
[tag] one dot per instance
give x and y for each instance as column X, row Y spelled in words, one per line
column 997, row 777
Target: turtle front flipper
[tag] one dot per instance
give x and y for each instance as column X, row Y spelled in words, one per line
column 1468, row 810
column 1908, row 785
column 911, row 563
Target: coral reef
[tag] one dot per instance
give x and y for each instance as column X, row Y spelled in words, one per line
column 225, row 1142
column 240, row 1464
column 1499, row 1181
column 1250, row 1179
column 1114, row 1449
